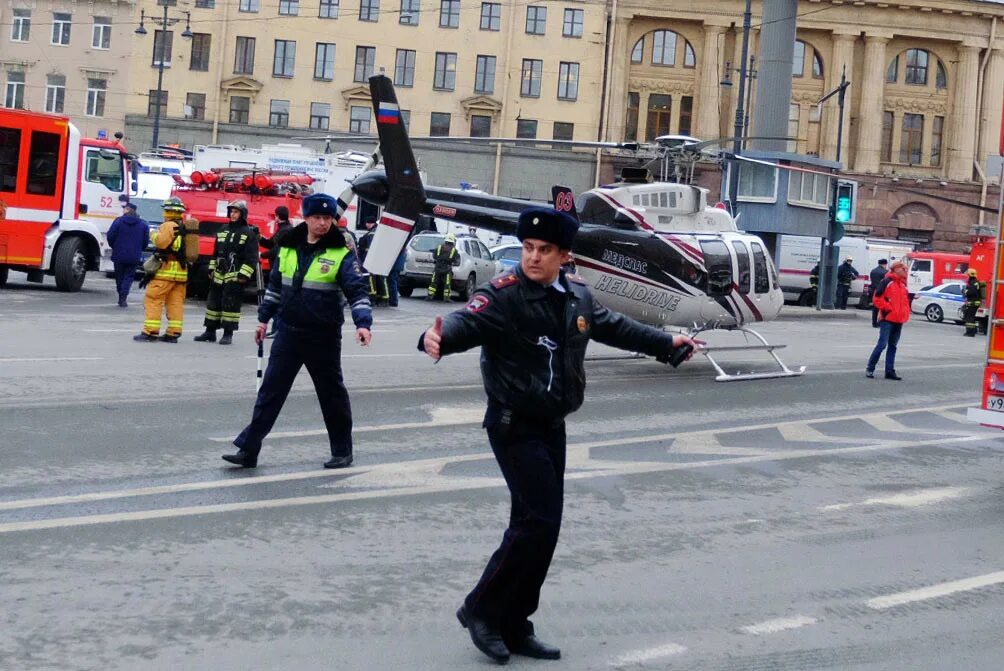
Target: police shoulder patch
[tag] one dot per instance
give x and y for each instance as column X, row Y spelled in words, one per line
column 503, row 281
column 477, row 303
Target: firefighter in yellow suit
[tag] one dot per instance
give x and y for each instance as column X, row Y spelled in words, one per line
column 167, row 287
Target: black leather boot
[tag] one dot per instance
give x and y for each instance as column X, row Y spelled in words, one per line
column 209, row 335
column 228, row 337
column 242, row 458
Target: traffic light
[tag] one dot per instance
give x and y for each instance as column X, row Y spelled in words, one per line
column 846, row 202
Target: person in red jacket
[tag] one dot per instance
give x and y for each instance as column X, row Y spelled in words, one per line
column 893, row 305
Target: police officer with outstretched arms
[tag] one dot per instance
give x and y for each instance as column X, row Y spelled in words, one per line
column 533, row 326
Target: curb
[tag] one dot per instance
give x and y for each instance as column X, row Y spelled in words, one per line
column 797, row 313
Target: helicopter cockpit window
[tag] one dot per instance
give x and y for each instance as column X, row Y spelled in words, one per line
column 761, row 282
column 743, row 264
column 718, row 262
column 595, row 210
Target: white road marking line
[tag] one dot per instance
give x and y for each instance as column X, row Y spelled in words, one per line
column 389, row 472
column 41, row 359
column 779, row 624
column 110, row 330
column 801, row 432
column 458, row 416
column 935, row 591
column 648, row 654
column 913, row 499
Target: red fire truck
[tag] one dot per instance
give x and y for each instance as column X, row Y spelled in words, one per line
column 59, row 193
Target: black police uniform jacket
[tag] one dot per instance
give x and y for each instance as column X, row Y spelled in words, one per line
column 534, row 341
column 302, row 304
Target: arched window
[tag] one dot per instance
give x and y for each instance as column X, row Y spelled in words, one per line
column 892, row 74
column 817, row 65
column 941, row 80
column 664, row 48
column 798, row 60
column 638, row 53
column 916, row 66
column 689, row 60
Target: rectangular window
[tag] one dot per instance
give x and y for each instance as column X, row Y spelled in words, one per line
column 563, row 130
column 916, row 67
column 44, row 153
column 404, row 68
column 240, row 109
column 526, row 129
column 329, row 9
column 289, row 7
column 794, row 110
column 659, row 109
column 406, row 119
column 440, row 124
column 937, row 135
column 808, row 189
column 10, row 152
column 249, row 6
column 101, row 33
column 20, row 28
column 686, row 114
column 365, row 59
column 55, row 93
column 911, row 141
column 369, row 10
column 195, row 106
column 533, row 70
column 156, row 104
column 199, row 60
column 446, row 71
column 491, row 16
column 568, row 81
column 14, row 94
column 244, row 57
column 205, row 4
column 278, row 114
column 409, row 12
column 536, row 20
column 888, row 121
column 664, row 48
column 572, row 25
column 163, row 44
column 481, row 125
column 320, row 116
column 284, row 60
column 96, row 89
column 324, row 61
column 449, row 13
column 757, row 182
column 484, row 76
column 359, row 119
column 631, row 123
column 61, row 23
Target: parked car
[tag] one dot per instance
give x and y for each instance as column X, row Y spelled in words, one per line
column 508, row 255
column 940, row 302
column 476, row 265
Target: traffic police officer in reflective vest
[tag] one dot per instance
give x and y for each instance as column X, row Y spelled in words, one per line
column 315, row 276
column 235, row 254
column 533, row 326
column 973, row 294
column 165, row 289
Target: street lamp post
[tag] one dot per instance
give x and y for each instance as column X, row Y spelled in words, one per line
column 164, row 23
column 737, row 140
column 827, row 260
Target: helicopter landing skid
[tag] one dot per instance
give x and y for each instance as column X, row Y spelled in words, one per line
column 764, row 346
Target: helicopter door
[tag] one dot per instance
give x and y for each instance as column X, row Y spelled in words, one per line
column 761, row 278
column 743, row 276
column 718, row 262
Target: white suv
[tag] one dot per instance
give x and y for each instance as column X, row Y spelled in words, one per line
column 475, row 268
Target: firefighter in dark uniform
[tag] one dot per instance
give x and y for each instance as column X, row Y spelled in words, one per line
column 846, row 274
column 235, row 255
column 533, row 326
column 973, row 294
column 316, row 275
column 377, row 283
column 814, row 277
column 445, row 257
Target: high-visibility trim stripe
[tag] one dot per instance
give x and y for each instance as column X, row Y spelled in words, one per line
column 22, row 259
column 32, row 215
column 320, row 286
column 398, row 222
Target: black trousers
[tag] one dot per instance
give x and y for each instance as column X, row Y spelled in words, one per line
column 223, row 305
column 531, row 455
column 125, row 273
column 321, row 352
column 842, row 291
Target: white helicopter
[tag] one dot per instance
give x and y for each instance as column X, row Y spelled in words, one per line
column 654, row 251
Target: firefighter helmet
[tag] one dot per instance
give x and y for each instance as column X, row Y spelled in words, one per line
column 174, row 204
column 239, row 205
column 450, row 239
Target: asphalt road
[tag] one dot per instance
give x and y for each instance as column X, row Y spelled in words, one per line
column 821, row 522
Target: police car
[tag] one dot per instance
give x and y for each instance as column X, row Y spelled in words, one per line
column 508, row 255
column 940, row 302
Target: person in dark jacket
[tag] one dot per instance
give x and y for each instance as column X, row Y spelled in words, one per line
column 846, row 274
column 533, row 326
column 973, row 293
column 893, row 302
column 128, row 236
column 235, row 255
column 876, row 275
column 309, row 286
column 444, row 258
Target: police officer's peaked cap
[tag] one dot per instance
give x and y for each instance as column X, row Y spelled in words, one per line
column 320, row 203
column 544, row 223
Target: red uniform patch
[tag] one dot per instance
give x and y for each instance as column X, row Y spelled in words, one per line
column 477, row 303
column 503, row 281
